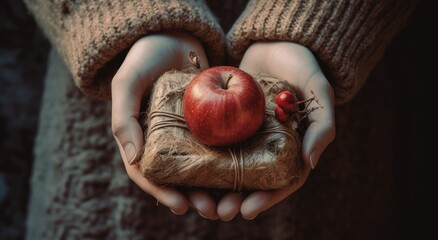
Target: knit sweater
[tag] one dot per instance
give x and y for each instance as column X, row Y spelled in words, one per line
column 93, row 36
column 347, row 37
column 80, row 189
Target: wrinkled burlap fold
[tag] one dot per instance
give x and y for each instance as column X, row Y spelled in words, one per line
column 271, row 159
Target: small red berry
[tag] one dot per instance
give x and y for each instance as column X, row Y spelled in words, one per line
column 280, row 114
column 286, row 101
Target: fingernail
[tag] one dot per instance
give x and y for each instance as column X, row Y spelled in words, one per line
column 200, row 214
column 130, row 152
column 179, row 214
column 227, row 220
column 210, row 218
column 250, row 218
column 314, row 157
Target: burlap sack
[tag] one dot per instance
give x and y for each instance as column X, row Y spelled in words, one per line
column 172, row 156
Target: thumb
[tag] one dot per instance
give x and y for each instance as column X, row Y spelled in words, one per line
column 316, row 139
column 131, row 82
column 321, row 130
column 147, row 59
column 129, row 138
column 127, row 89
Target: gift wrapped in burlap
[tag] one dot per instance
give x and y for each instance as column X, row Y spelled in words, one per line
column 172, row 156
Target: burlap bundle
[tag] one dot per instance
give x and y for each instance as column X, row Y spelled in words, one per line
column 172, row 156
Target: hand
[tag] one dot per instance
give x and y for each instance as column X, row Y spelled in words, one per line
column 297, row 65
column 147, row 60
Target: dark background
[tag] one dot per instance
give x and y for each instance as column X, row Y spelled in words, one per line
column 23, row 56
column 410, row 62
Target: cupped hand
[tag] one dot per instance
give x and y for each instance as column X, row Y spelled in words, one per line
column 147, row 60
column 297, row 65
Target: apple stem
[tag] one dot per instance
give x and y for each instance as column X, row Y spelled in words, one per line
column 228, row 80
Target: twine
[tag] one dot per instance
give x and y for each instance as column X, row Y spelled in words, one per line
column 177, row 120
column 238, row 168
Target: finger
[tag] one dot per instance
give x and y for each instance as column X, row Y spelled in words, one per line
column 167, row 196
column 129, row 138
column 321, row 130
column 127, row 89
column 203, row 203
column 260, row 201
column 125, row 126
column 147, row 59
column 133, row 79
column 316, row 139
column 229, row 206
column 251, row 63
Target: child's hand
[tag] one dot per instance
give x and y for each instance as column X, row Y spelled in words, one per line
column 297, row 65
column 146, row 61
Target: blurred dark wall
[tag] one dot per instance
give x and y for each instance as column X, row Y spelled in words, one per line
column 23, row 55
column 412, row 64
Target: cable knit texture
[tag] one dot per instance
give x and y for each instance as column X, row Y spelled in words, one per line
column 92, row 36
column 348, row 37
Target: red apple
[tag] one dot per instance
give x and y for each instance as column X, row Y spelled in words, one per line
column 286, row 100
column 281, row 114
column 223, row 105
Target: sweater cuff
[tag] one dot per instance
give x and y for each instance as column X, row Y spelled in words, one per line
column 347, row 37
column 93, row 36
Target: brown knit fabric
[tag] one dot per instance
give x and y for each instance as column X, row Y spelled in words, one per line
column 91, row 36
column 348, row 37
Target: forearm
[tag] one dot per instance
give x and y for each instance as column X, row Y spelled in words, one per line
column 93, row 36
column 347, row 37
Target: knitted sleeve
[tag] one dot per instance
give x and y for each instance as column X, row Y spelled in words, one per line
column 93, row 36
column 347, row 37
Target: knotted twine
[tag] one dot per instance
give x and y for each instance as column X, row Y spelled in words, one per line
column 271, row 159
